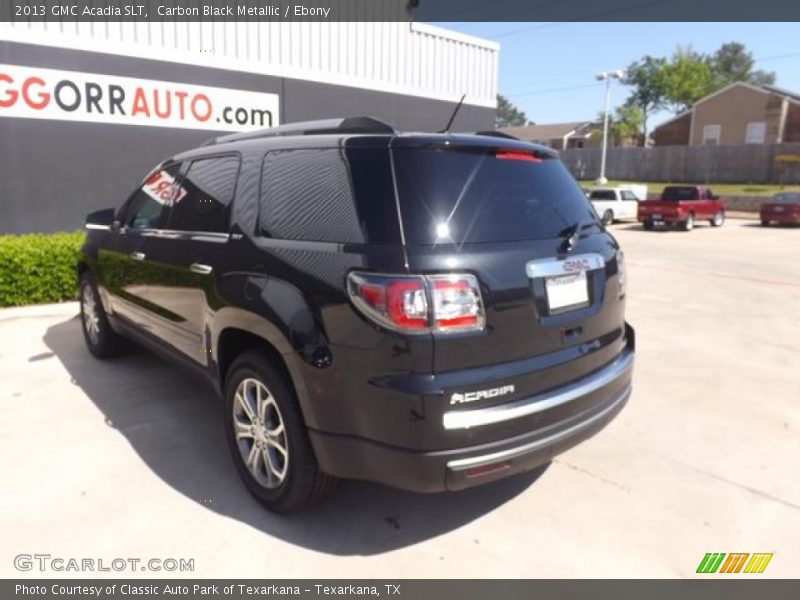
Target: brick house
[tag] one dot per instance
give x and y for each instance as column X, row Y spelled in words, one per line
column 555, row 135
column 739, row 113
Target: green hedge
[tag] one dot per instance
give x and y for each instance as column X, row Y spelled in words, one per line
column 38, row 268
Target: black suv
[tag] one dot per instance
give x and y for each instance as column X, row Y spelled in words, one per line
column 429, row 311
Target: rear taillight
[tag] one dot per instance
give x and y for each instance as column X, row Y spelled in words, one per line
column 417, row 303
column 516, row 155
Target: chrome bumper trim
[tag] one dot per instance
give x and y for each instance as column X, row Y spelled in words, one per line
column 477, row 461
column 464, row 419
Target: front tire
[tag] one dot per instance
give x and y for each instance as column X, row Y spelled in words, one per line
column 718, row 220
column 688, row 224
column 608, row 218
column 268, row 438
column 101, row 340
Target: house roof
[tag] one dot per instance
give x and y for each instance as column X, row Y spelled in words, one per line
column 782, row 92
column 764, row 89
column 675, row 118
column 545, row 131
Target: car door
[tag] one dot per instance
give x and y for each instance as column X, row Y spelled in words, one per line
column 628, row 204
column 126, row 271
column 188, row 251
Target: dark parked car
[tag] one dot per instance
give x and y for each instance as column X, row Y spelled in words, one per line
column 783, row 208
column 429, row 311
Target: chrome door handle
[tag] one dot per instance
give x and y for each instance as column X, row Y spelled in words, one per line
column 200, row 268
column 137, row 255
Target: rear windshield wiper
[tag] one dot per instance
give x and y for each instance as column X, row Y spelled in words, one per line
column 572, row 233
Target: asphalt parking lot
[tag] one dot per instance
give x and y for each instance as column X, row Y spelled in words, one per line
column 128, row 459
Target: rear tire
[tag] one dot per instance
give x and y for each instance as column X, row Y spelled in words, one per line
column 268, row 438
column 764, row 223
column 648, row 225
column 688, row 224
column 608, row 217
column 101, row 340
column 718, row 220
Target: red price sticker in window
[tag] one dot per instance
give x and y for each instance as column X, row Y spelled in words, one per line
column 160, row 186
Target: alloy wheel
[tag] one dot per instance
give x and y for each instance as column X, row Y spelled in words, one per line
column 260, row 433
column 91, row 317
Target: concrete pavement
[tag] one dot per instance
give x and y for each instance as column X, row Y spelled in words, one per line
column 127, row 458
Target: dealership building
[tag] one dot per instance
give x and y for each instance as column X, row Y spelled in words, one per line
column 87, row 108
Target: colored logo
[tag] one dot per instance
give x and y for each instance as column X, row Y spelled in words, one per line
column 736, row 562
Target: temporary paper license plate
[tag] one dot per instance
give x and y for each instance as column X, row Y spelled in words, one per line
column 567, row 290
column 657, row 217
column 566, row 281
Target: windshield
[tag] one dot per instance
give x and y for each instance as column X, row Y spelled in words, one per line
column 467, row 195
column 676, row 194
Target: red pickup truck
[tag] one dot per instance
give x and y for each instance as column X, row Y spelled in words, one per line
column 682, row 205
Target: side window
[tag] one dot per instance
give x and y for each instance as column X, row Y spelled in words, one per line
column 342, row 195
column 626, row 195
column 201, row 201
column 145, row 208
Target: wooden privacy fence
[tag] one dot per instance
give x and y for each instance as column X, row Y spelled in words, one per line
column 750, row 163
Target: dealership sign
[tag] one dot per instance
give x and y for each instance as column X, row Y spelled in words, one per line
column 31, row 93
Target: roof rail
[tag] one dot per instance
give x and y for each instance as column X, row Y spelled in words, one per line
column 495, row 133
column 321, row 127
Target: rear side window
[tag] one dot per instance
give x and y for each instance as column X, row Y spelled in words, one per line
column 342, row 195
column 602, row 195
column 485, row 195
column 146, row 206
column 202, row 198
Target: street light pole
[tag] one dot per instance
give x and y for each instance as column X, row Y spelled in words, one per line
column 607, row 77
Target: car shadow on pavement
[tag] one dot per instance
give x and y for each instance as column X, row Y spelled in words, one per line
column 758, row 225
column 638, row 227
column 172, row 420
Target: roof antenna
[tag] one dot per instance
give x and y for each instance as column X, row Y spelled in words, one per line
column 453, row 116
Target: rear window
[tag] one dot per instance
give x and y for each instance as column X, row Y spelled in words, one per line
column 342, row 195
column 786, row 197
column 472, row 196
column 676, row 194
column 603, row 195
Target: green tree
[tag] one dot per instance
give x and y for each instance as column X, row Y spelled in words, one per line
column 732, row 62
column 648, row 93
column 627, row 125
column 685, row 78
column 624, row 126
column 507, row 114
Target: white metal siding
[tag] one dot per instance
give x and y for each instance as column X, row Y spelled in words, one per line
column 406, row 58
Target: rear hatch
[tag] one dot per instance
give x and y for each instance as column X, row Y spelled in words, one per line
column 511, row 215
column 782, row 205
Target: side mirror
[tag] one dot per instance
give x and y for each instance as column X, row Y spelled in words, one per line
column 101, row 219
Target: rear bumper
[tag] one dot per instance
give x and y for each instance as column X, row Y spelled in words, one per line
column 787, row 219
column 607, row 390
column 662, row 219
